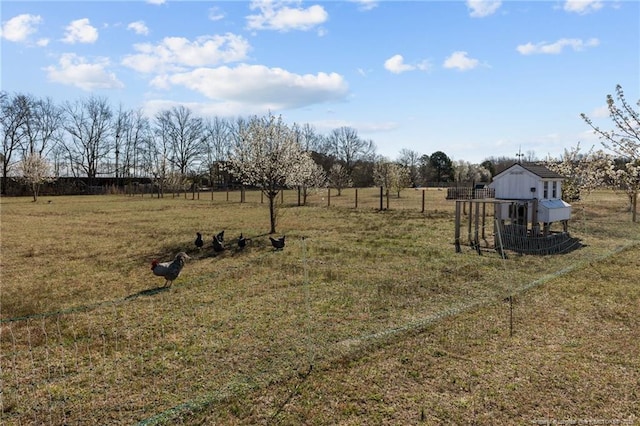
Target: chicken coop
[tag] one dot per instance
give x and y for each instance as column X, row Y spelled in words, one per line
column 526, row 205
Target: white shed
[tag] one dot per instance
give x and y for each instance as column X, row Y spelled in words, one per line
column 536, row 193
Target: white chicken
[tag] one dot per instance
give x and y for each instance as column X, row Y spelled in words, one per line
column 169, row 270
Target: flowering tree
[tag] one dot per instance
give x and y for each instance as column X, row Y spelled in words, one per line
column 627, row 178
column 35, row 170
column 624, row 140
column 310, row 175
column 583, row 172
column 391, row 176
column 339, row 177
column 465, row 172
column 267, row 155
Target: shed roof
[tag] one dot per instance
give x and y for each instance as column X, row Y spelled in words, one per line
column 536, row 169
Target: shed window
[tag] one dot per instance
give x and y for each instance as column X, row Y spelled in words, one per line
column 554, row 191
column 546, row 190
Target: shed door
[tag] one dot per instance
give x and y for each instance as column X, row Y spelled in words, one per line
column 518, row 213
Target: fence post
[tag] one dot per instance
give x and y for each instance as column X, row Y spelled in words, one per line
column 423, row 195
column 477, row 225
column 328, row 197
column 356, row 198
column 381, row 197
column 457, row 231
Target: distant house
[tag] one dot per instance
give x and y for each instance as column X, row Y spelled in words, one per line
column 535, row 193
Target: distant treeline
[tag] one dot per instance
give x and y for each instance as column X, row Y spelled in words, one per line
column 138, row 185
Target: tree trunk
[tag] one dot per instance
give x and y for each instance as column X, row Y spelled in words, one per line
column 634, row 207
column 34, row 191
column 272, row 211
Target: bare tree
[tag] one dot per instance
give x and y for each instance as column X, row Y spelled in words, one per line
column 132, row 132
column 89, row 124
column 345, row 145
column 43, row 127
column 217, row 143
column 134, row 137
column 411, row 160
column 267, row 155
column 156, row 156
column 13, row 115
column 184, row 132
column 624, row 140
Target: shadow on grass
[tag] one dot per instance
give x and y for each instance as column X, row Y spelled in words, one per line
column 147, row 292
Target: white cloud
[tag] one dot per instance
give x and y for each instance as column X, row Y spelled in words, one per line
column 139, row 27
column 482, row 8
column 461, row 61
column 280, row 17
column 43, row 42
column 557, row 47
column 76, row 71
column 80, row 31
column 366, row 5
column 19, row 28
column 364, row 127
column 274, row 88
column 175, row 53
column 582, row 7
column 156, row 1
column 215, row 14
column 396, row 65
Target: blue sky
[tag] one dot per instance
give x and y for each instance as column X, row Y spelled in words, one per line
column 474, row 79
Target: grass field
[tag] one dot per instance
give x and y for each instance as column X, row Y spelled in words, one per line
column 366, row 317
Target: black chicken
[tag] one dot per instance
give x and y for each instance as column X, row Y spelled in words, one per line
column 277, row 243
column 218, row 245
column 169, row 270
column 242, row 242
column 220, row 236
column 199, row 242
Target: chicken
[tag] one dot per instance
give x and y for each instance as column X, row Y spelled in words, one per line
column 218, row 246
column 169, row 270
column 277, row 243
column 220, row 236
column 199, row 242
column 242, row 242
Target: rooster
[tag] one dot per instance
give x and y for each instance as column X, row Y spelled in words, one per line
column 199, row 242
column 277, row 243
column 169, row 270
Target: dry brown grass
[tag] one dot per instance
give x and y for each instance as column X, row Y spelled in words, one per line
column 370, row 298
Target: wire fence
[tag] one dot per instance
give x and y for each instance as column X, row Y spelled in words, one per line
column 66, row 368
column 114, row 363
